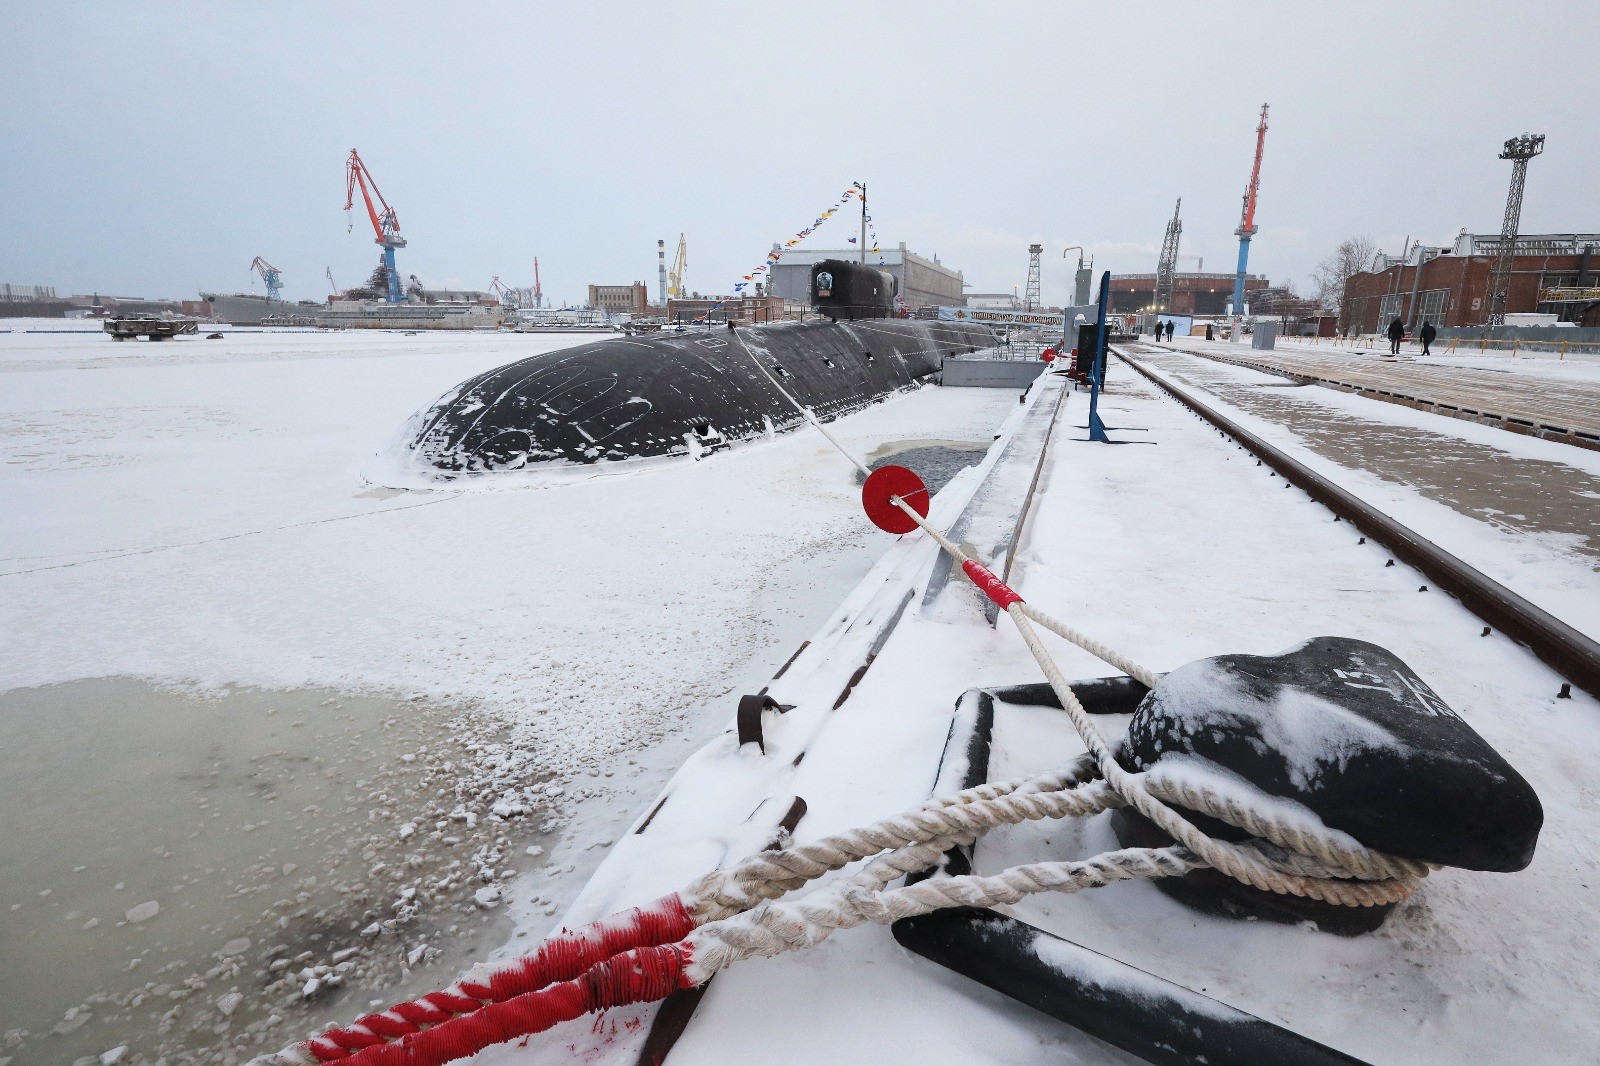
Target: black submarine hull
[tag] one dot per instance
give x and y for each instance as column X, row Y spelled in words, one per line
column 681, row 394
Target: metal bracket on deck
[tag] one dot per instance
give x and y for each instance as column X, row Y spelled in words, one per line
column 749, row 718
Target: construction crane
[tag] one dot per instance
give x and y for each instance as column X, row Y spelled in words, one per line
column 332, row 284
column 271, row 275
column 506, row 295
column 1247, row 223
column 1167, row 265
column 385, row 225
column 675, row 275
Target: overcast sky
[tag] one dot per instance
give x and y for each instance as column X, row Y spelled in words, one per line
column 155, row 148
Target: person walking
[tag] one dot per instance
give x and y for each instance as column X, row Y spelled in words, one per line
column 1428, row 333
column 1171, row 325
column 1397, row 330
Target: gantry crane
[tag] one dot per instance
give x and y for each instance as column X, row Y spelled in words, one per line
column 1247, row 224
column 675, row 275
column 270, row 275
column 385, row 225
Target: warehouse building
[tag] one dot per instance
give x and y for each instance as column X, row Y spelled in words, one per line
column 923, row 282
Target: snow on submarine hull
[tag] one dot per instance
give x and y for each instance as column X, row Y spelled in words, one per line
column 675, row 394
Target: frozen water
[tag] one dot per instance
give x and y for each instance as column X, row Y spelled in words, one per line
column 209, row 836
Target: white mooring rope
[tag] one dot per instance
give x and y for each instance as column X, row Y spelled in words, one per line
column 744, row 916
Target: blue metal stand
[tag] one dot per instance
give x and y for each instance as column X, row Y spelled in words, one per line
column 1097, row 366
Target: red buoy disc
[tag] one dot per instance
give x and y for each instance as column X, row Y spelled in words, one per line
column 888, row 481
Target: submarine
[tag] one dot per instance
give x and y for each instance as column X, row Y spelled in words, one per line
column 688, row 394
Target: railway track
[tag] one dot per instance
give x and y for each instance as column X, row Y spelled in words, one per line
column 1567, row 413
column 1572, row 654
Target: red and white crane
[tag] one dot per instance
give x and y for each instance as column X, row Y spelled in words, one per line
column 385, row 225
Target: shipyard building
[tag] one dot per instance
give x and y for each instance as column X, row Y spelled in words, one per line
column 1192, row 294
column 1551, row 273
column 620, row 299
column 923, row 282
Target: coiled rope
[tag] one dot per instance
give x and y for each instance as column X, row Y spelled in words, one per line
column 681, row 940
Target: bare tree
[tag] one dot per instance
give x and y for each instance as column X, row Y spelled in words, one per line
column 1353, row 255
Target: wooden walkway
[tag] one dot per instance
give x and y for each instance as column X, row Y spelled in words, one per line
column 1566, row 411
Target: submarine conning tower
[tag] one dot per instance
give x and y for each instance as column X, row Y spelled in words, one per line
column 675, row 394
column 844, row 290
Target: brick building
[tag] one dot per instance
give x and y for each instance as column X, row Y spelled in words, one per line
column 743, row 308
column 620, row 299
column 1554, row 273
column 1192, row 294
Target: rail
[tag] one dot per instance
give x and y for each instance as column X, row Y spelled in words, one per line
column 1564, row 649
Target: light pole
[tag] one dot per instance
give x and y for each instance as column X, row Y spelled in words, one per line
column 863, row 187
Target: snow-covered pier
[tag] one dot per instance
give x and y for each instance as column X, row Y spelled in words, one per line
column 1174, row 548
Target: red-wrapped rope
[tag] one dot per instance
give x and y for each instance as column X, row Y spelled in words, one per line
column 641, row 975
column 561, row 958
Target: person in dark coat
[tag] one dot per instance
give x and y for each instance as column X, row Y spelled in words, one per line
column 1428, row 333
column 1397, row 330
column 1171, row 325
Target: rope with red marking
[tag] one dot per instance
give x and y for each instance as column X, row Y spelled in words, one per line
column 564, row 957
column 682, row 939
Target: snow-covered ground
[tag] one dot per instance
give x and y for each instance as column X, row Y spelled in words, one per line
column 1523, row 510
column 1576, row 364
column 198, row 513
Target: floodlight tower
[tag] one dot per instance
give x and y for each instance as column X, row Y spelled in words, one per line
column 1247, row 222
column 1167, row 266
column 1030, row 298
column 1519, row 150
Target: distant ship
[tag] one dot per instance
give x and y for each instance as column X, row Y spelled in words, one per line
column 378, row 314
column 244, row 309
